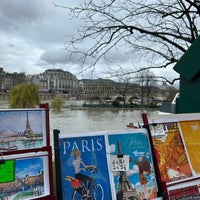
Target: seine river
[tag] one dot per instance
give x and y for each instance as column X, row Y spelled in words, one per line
column 79, row 120
column 83, row 120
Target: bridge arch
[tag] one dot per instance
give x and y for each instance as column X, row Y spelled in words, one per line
column 119, row 98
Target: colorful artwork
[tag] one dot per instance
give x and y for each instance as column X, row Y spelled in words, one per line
column 176, row 143
column 191, row 136
column 84, row 168
column 22, row 129
column 139, row 181
column 28, row 183
column 171, row 154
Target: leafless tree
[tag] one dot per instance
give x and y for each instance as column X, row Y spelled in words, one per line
column 159, row 31
column 146, row 81
column 124, row 87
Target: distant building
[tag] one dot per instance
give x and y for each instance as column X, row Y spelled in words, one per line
column 53, row 82
column 9, row 80
column 98, row 87
column 56, row 80
column 38, row 80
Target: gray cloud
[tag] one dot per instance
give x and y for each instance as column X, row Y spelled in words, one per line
column 33, row 35
column 54, row 57
column 28, row 29
column 16, row 14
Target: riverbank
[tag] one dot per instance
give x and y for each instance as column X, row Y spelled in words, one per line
column 76, row 104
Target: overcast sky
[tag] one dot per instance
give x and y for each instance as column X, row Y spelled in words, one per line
column 33, row 35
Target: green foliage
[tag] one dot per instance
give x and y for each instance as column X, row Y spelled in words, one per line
column 24, row 96
column 57, row 104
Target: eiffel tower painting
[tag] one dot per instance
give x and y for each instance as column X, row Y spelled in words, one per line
column 28, row 130
column 125, row 190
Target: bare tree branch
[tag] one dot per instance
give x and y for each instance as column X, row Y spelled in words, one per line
column 160, row 29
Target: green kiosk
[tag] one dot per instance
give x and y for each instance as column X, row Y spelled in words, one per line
column 189, row 69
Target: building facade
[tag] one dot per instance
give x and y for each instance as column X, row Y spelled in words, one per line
column 56, row 80
column 59, row 82
column 97, row 87
column 9, row 80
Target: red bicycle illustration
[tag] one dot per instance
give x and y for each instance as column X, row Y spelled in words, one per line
column 80, row 188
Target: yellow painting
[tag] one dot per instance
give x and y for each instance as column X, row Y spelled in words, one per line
column 191, row 135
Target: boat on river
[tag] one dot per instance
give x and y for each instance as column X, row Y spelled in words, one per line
column 133, row 125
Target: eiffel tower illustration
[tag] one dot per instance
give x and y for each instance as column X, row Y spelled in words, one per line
column 28, row 130
column 125, row 189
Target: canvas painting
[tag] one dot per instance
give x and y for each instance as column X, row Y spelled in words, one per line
column 22, row 129
column 139, row 182
column 191, row 135
column 28, row 182
column 171, row 154
column 84, row 168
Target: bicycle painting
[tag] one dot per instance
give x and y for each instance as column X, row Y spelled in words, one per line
column 84, row 169
column 80, row 189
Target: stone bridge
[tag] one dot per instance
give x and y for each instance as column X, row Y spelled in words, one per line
column 135, row 99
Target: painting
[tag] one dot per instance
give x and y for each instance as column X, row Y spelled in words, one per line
column 28, row 182
column 84, row 167
column 171, row 154
column 176, row 142
column 22, row 129
column 191, row 135
column 139, row 181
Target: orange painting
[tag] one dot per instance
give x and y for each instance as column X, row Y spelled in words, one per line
column 171, row 155
column 191, row 135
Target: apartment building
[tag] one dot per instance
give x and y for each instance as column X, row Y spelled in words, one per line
column 9, row 80
column 97, row 87
column 56, row 80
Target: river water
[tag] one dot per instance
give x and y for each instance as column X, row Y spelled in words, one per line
column 83, row 120
column 95, row 119
column 91, row 120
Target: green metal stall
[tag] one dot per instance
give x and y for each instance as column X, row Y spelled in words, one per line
column 189, row 69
